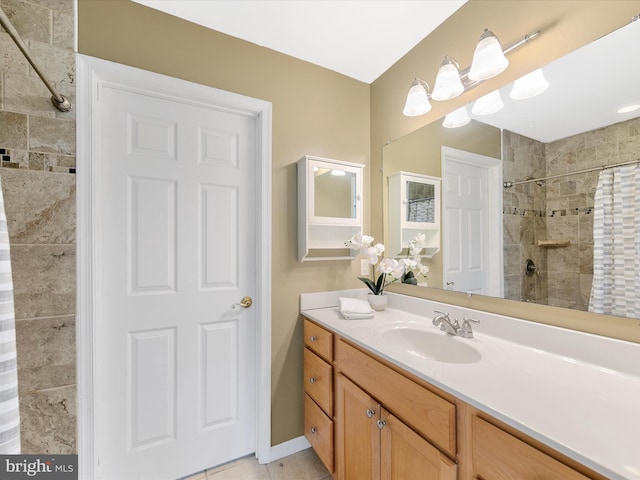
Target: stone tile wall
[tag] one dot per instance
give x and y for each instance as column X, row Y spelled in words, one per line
column 570, row 205
column 524, row 220
column 560, row 210
column 37, row 166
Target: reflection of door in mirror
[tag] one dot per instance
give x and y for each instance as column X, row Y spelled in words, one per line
column 472, row 229
column 421, row 154
column 335, row 193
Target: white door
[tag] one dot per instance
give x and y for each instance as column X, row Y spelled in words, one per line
column 472, row 230
column 175, row 360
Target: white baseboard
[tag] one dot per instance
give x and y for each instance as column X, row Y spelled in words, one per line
column 289, row 447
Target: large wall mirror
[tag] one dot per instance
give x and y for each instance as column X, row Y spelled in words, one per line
column 545, row 220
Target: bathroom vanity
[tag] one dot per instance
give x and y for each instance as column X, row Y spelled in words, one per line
column 394, row 397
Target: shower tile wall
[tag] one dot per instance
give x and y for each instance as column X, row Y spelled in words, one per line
column 524, row 219
column 37, row 166
column 563, row 210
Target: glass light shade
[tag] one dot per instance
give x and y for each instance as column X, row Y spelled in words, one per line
column 448, row 84
column 490, row 103
column 457, row 118
column 488, row 59
column 529, row 86
column 417, row 101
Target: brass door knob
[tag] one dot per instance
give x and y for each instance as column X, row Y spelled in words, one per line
column 246, row 302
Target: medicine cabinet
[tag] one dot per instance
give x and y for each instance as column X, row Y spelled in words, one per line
column 414, row 208
column 329, row 207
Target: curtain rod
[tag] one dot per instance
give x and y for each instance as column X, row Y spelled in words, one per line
column 58, row 100
column 586, row 170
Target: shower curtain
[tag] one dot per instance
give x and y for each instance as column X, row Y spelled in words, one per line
column 9, row 406
column 616, row 238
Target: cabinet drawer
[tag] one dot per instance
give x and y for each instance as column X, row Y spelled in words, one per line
column 428, row 414
column 319, row 340
column 318, row 381
column 497, row 455
column 318, row 428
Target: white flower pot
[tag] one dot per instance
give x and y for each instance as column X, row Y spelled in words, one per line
column 377, row 302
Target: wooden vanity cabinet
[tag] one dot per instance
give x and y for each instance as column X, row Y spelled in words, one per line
column 381, row 423
column 357, row 432
column 499, row 455
column 318, row 391
column 373, row 443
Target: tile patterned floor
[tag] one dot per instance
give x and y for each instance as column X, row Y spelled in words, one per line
column 303, row 465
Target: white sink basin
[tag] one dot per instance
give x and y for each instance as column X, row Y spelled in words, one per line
column 431, row 345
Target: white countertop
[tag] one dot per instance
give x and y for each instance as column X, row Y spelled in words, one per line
column 576, row 392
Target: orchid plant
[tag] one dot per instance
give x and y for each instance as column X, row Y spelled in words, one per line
column 389, row 269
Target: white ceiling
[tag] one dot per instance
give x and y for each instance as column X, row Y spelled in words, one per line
column 358, row 38
column 363, row 38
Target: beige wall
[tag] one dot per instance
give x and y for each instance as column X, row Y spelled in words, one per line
column 322, row 113
column 565, row 26
column 315, row 112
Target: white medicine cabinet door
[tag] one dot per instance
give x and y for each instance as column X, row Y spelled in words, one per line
column 329, row 207
column 414, row 208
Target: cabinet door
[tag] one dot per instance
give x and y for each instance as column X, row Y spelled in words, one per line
column 499, row 456
column 406, row 455
column 358, row 435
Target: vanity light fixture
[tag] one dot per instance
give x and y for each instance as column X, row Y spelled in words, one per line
column 490, row 103
column 457, row 118
column 417, row 99
column 448, row 84
column 529, row 86
column 488, row 59
column 338, row 173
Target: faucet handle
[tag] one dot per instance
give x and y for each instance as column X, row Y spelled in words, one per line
column 444, row 314
column 465, row 330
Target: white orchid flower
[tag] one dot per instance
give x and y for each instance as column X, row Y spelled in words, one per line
column 388, row 265
column 398, row 271
column 410, row 263
column 359, row 241
column 424, row 269
column 372, row 254
column 379, row 248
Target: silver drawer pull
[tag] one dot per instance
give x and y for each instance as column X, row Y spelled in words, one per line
column 314, row 429
column 313, row 380
column 313, row 338
column 371, row 413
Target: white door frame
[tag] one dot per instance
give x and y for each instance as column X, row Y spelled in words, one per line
column 92, row 75
column 494, row 199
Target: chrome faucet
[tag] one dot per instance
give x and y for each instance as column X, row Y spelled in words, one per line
column 465, row 330
column 443, row 321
